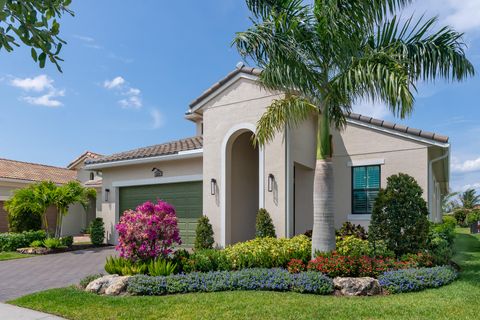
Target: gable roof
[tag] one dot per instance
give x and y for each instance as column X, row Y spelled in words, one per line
column 163, row 149
column 84, row 156
column 33, row 172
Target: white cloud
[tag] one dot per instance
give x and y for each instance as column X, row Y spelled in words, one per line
column 38, row 83
column 46, row 100
column 134, row 102
column 465, row 166
column 470, row 186
column 133, row 92
column 114, row 83
column 84, row 38
column 157, row 118
column 372, row 109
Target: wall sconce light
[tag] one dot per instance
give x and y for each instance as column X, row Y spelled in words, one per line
column 213, row 186
column 107, row 192
column 157, row 172
column 271, row 180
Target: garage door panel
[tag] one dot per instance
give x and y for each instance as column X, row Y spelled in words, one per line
column 186, row 197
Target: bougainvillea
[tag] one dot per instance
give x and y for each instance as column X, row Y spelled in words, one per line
column 148, row 232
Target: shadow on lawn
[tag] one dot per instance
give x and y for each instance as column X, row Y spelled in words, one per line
column 467, row 255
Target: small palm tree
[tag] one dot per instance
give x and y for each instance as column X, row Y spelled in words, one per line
column 449, row 203
column 469, row 199
column 326, row 56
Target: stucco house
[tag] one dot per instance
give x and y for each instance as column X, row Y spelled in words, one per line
column 220, row 174
column 18, row 174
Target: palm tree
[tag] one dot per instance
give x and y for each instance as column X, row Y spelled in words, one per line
column 449, row 203
column 326, row 56
column 469, row 199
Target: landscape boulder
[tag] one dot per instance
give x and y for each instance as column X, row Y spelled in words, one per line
column 111, row 284
column 361, row 286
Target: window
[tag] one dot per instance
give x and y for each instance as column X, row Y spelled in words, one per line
column 92, row 175
column 365, row 187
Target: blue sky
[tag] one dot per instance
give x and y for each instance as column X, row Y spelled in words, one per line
column 131, row 70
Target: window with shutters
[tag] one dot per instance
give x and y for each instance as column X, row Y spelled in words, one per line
column 365, row 187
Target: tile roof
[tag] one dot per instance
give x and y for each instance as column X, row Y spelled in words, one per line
column 168, row 148
column 86, row 155
column 26, row 171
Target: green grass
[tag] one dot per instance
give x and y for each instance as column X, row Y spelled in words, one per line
column 13, row 255
column 458, row 300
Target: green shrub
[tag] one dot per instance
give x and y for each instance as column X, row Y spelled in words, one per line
column 450, row 221
column 124, row 267
column 97, row 231
column 204, row 234
column 85, row 281
column 52, row 243
column 24, row 221
column 161, row 267
column 349, row 229
column 460, row 215
column 264, row 225
column 36, row 244
column 400, row 216
column 379, row 248
column 67, row 241
column 207, row 260
column 352, row 246
column 473, row 216
column 13, row 241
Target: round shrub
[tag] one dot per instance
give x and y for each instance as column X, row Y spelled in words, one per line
column 149, row 232
column 417, row 279
column 67, row 241
column 36, row 244
column 204, row 234
column 472, row 217
column 264, row 225
column 97, row 231
column 460, row 215
column 352, row 246
column 450, row 221
column 24, row 221
column 400, row 216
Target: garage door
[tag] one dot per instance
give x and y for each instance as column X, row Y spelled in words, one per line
column 186, row 197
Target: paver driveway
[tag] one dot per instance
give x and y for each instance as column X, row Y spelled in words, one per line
column 24, row 276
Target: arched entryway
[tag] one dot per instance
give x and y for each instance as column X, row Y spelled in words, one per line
column 242, row 187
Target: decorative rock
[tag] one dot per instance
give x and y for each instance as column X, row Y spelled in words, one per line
column 362, row 286
column 111, row 284
column 39, row 250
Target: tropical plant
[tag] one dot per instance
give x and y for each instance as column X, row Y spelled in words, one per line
column 24, row 220
column 400, row 216
column 97, row 231
column 125, row 267
column 326, row 56
column 349, row 229
column 52, row 243
column 460, row 215
column 469, row 199
column 36, row 244
column 204, row 234
column 450, row 202
column 264, row 225
column 148, row 232
column 161, row 267
column 34, row 23
column 473, row 217
column 67, row 241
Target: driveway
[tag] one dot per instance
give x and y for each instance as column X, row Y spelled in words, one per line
column 24, row 276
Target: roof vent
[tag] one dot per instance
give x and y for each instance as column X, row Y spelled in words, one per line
column 240, row 65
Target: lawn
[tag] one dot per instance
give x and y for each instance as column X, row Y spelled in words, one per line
column 13, row 255
column 456, row 301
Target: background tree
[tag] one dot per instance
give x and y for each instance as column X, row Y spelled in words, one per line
column 449, row 202
column 469, row 199
column 264, row 225
column 204, row 234
column 326, row 56
column 24, row 214
column 34, row 23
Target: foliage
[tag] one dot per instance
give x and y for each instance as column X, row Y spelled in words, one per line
column 24, row 221
column 460, row 215
column 125, row 267
column 473, row 217
column 36, row 244
column 440, row 242
column 67, row 241
column 264, row 225
column 247, row 279
column 34, row 23
column 296, row 266
column 204, row 234
column 207, row 260
column 52, row 243
column 24, row 213
column 449, row 220
column 84, row 282
column 469, row 199
column 417, row 279
column 97, row 231
column 13, row 241
column 400, row 216
column 352, row 246
column 450, row 203
column 148, row 232
column 349, row 229
column 161, row 267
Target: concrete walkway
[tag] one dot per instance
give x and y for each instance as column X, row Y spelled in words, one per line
column 24, row 276
column 9, row 312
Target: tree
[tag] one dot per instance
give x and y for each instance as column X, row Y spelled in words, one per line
column 34, row 23
column 204, row 234
column 326, row 56
column 469, row 199
column 23, row 212
column 449, row 203
column 400, row 216
column 264, row 225
column 68, row 194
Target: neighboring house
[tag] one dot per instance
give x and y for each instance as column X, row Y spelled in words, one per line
column 220, row 173
column 18, row 174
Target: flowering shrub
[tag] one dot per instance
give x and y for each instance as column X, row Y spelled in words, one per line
column 296, row 266
column 148, row 232
column 417, row 279
column 247, row 279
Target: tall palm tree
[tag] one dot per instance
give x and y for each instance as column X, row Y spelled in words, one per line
column 449, row 203
column 326, row 56
column 469, row 199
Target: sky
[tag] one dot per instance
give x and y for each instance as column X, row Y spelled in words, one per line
column 132, row 67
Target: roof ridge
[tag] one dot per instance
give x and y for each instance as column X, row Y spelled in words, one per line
column 36, row 164
column 156, row 145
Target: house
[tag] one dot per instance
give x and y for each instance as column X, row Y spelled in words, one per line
column 17, row 174
column 221, row 174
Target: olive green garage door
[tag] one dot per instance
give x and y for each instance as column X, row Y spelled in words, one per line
column 186, row 197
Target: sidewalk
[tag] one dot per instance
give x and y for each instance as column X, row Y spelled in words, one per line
column 9, row 312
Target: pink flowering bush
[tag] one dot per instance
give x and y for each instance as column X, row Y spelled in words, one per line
column 148, row 232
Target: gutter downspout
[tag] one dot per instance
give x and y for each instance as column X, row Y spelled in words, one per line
column 430, row 180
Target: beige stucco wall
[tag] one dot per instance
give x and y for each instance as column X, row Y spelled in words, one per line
column 172, row 168
column 238, row 107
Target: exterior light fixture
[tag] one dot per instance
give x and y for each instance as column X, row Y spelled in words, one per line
column 107, row 192
column 213, row 186
column 157, row 172
column 271, row 180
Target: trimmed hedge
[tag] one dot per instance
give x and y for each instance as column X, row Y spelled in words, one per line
column 13, row 241
column 247, row 279
column 417, row 279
